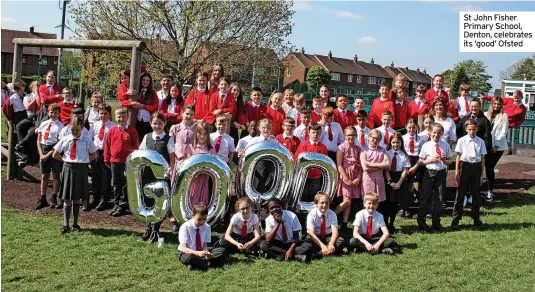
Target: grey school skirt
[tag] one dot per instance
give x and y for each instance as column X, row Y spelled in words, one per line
column 74, row 185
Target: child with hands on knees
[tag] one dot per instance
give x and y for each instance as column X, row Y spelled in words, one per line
column 370, row 233
column 243, row 231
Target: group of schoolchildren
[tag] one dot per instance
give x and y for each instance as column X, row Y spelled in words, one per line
column 376, row 163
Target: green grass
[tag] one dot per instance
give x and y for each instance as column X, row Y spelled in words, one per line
column 35, row 257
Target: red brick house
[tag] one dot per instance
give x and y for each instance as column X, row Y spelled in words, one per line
column 30, row 55
column 349, row 76
column 412, row 77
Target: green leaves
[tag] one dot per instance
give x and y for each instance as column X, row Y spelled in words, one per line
column 317, row 76
column 469, row 71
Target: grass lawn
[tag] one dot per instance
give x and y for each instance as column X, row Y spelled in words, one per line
column 35, row 257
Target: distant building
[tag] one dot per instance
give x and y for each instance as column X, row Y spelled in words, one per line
column 352, row 77
column 413, row 77
column 30, row 55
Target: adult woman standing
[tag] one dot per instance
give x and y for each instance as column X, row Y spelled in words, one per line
column 500, row 124
column 440, row 115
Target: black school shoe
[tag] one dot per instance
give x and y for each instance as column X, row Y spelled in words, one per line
column 60, row 203
column 455, row 225
column 53, row 201
column 114, row 209
column 41, row 203
column 422, row 227
column 85, row 206
column 437, row 227
column 176, row 228
column 147, row 233
column 102, row 205
column 65, row 229
column 387, row 251
column 121, row 210
column 76, row 228
column 301, row 258
column 478, row 223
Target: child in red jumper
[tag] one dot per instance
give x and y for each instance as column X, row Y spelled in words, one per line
column 343, row 116
column 275, row 113
column 125, row 141
column 287, row 139
column 379, row 106
column 199, row 97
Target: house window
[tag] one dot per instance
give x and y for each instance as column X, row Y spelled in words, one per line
column 371, row 80
column 44, row 61
column 335, row 90
column 335, row 76
column 406, row 84
column 288, row 72
column 23, row 59
column 359, row 79
column 349, row 78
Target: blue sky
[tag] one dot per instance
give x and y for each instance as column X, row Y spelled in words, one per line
column 411, row 34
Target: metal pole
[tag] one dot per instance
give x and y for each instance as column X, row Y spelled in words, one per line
column 134, row 81
column 61, row 36
column 11, row 161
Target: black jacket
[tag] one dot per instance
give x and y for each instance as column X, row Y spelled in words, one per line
column 484, row 128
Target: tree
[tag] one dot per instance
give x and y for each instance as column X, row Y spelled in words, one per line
column 72, row 64
column 523, row 69
column 459, row 76
column 476, row 73
column 317, row 76
column 185, row 36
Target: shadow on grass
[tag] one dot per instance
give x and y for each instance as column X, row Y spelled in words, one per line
column 486, row 227
column 511, row 200
column 111, row 232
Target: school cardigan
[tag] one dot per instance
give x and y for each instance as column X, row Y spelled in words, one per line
column 416, row 110
column 277, row 117
column 226, row 107
column 255, row 113
column 47, row 97
column 120, row 143
column 200, row 100
column 401, row 113
column 431, row 94
column 378, row 108
column 124, row 99
column 175, row 117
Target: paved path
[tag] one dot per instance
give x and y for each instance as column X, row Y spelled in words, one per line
column 518, row 159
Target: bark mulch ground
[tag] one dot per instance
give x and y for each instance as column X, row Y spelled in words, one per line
column 22, row 195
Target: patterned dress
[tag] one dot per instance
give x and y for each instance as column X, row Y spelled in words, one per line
column 199, row 187
column 351, row 165
column 373, row 182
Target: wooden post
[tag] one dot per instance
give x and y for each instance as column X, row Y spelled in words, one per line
column 11, row 161
column 135, row 67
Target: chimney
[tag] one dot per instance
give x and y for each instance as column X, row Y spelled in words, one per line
column 418, row 69
column 302, row 50
column 32, row 29
column 330, row 55
column 425, row 72
column 407, row 68
column 392, row 65
column 372, row 61
column 356, row 58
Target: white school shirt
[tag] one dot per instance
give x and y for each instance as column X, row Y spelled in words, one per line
column 460, row 106
column 161, row 97
column 93, row 116
column 227, row 145
column 300, row 132
column 418, row 142
column 425, row 136
column 237, row 219
column 257, row 139
column 170, row 143
column 143, row 114
column 66, row 131
column 402, row 160
column 338, row 136
column 429, row 149
column 94, row 133
column 30, row 98
column 243, row 142
column 366, row 133
column 383, row 130
column 292, row 113
column 53, row 136
column 16, row 101
column 188, row 234
column 361, row 221
column 84, row 146
column 471, row 149
column 450, row 133
column 421, row 102
column 314, row 221
column 171, row 106
column 291, row 223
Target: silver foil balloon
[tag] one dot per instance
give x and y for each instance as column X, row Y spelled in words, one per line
column 305, row 161
column 138, row 162
column 284, row 167
column 218, row 170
